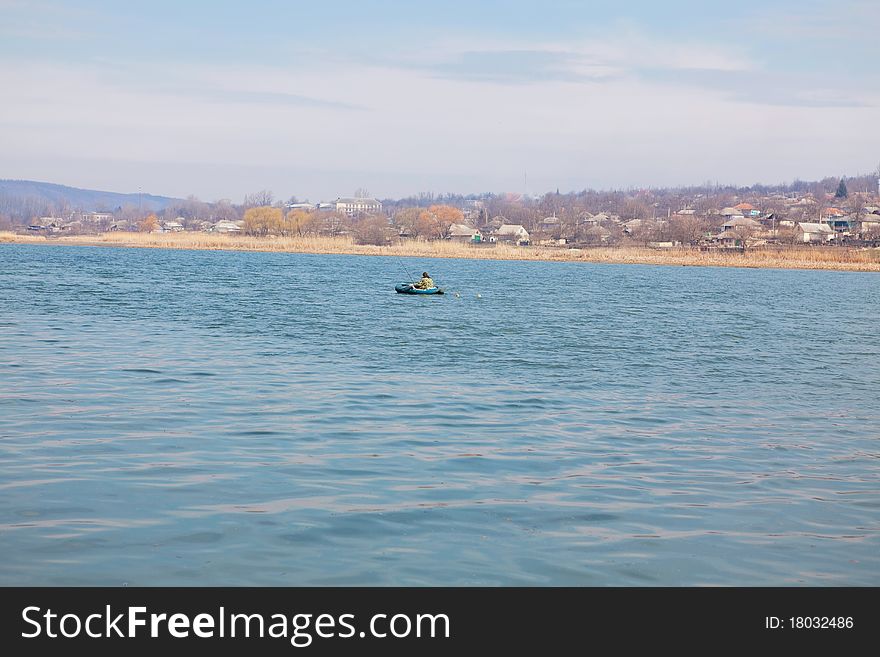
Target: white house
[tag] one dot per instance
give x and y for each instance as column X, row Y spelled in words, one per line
column 870, row 224
column 356, row 206
column 171, row 227
column 463, row 233
column 96, row 217
column 810, row 232
column 512, row 233
column 227, row 226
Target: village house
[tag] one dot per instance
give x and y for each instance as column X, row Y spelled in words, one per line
column 46, row 224
column 586, row 219
column 600, row 218
column 72, row 227
column 550, row 224
column 743, row 224
column 870, row 225
column 841, row 225
column 728, row 238
column 227, row 226
column 632, row 226
column 170, row 227
column 512, row 233
column 495, row 223
column 597, row 235
column 464, row 233
column 747, row 209
column 644, row 226
column 812, row 232
column 96, row 217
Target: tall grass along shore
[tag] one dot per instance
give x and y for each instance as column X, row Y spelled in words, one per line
column 783, row 257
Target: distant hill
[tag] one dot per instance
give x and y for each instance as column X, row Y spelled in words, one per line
column 20, row 194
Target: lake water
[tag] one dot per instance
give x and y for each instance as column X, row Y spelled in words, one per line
column 208, row 418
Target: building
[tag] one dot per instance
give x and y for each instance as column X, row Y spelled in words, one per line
column 495, row 223
column 840, row 225
column 227, row 226
column 355, row 206
column 597, row 235
column 170, row 226
column 512, row 233
column 810, row 232
column 96, row 217
column 728, row 238
column 550, row 224
column 747, row 209
column 833, row 212
column 741, row 223
column 464, row 233
column 870, row 226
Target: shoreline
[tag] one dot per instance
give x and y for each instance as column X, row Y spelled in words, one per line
column 789, row 257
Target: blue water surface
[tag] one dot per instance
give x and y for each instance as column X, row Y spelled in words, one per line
column 221, row 418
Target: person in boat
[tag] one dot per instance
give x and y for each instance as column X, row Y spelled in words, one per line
column 426, row 282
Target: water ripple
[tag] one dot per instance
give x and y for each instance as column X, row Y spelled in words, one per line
column 576, row 425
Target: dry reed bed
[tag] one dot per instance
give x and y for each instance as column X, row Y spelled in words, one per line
column 836, row 258
column 10, row 238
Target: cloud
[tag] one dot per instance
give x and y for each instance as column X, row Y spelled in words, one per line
column 465, row 114
column 767, row 88
column 584, row 60
column 842, row 20
column 44, row 21
column 522, row 67
column 263, row 98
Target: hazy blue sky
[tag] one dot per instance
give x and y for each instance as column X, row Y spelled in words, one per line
column 316, row 99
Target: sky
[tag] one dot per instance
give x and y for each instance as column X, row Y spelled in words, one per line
column 317, row 99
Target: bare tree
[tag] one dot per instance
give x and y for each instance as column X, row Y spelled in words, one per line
column 856, row 205
column 634, row 209
column 373, row 230
column 687, row 229
column 406, row 221
column 259, row 199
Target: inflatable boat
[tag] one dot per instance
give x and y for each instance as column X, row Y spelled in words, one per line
column 408, row 288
